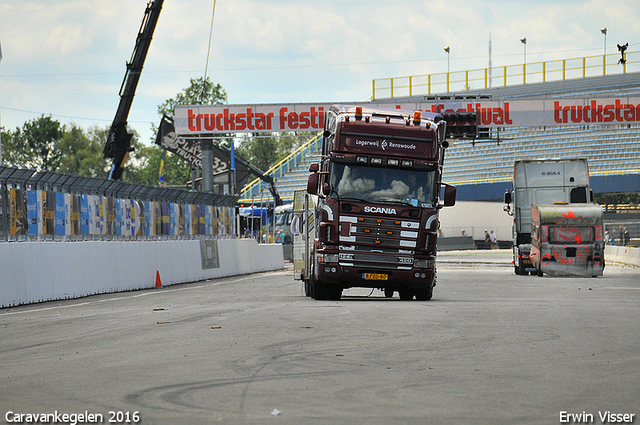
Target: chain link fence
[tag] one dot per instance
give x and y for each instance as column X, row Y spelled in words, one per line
column 45, row 206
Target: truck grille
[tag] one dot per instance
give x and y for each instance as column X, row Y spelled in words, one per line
column 377, row 242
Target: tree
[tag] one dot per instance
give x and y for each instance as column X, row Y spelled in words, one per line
column 201, row 91
column 34, row 145
column 10, row 155
column 176, row 170
column 82, row 153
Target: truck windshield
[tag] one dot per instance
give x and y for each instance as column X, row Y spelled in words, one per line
column 383, row 185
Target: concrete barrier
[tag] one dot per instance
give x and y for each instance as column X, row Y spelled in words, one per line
column 43, row 271
column 622, row 254
column 455, row 243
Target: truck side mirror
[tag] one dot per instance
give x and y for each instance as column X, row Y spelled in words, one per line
column 507, row 197
column 314, row 167
column 507, row 203
column 449, row 195
column 312, row 184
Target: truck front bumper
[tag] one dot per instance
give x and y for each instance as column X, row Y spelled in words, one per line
column 351, row 276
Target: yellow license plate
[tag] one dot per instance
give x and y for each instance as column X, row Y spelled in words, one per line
column 375, row 276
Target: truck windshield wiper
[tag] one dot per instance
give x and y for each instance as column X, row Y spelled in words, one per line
column 393, row 202
column 352, row 198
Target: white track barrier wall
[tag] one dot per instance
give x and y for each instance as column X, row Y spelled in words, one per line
column 33, row 272
column 622, row 254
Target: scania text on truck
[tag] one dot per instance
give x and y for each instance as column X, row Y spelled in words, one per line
column 567, row 239
column 375, row 198
column 542, row 181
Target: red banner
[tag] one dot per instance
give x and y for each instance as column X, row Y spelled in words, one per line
column 216, row 119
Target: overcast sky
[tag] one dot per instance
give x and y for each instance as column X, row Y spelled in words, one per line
column 66, row 58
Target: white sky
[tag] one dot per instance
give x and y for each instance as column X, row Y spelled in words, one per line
column 66, row 58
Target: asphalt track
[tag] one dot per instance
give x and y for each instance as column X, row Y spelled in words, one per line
column 490, row 348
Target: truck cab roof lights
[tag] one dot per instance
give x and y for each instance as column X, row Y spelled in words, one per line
column 362, row 159
column 358, row 114
column 376, row 161
column 393, row 162
column 416, row 117
column 407, row 163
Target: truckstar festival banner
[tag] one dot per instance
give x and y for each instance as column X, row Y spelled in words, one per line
column 208, row 119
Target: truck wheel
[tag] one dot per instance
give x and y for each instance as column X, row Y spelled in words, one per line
column 517, row 270
column 405, row 294
column 334, row 292
column 307, row 288
column 388, row 293
column 424, row 294
column 319, row 289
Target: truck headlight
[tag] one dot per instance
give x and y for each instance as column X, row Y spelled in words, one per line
column 330, row 258
column 423, row 263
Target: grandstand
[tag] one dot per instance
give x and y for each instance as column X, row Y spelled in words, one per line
column 482, row 169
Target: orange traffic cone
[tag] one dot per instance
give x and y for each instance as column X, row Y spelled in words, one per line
column 158, row 281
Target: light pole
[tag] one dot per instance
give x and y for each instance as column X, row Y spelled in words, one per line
column 604, row 54
column 523, row 40
column 448, row 50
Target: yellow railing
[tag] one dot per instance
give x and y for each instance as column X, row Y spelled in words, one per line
column 256, row 186
column 445, row 82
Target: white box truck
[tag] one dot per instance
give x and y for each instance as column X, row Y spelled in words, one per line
column 542, row 181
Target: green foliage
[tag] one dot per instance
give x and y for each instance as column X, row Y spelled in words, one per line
column 82, row 152
column 264, row 152
column 176, row 171
column 201, row 91
column 34, row 145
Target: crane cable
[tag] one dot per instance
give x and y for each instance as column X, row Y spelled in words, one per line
column 206, row 67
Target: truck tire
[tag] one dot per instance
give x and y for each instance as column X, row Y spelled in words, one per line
column 335, row 292
column 319, row 289
column 424, row 294
column 307, row 288
column 388, row 293
column 405, row 294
